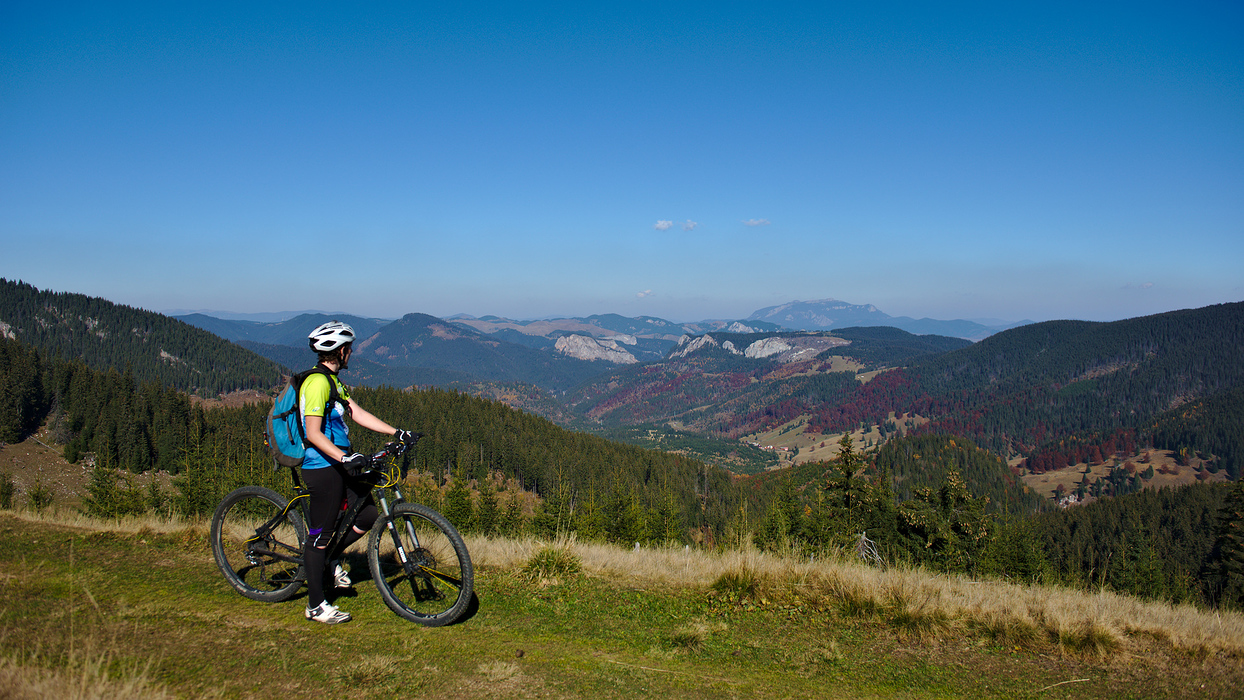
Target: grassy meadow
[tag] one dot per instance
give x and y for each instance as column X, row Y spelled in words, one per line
column 137, row 609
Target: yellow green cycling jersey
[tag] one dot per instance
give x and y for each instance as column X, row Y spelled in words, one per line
column 312, row 401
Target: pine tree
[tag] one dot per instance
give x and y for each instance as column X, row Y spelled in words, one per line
column 512, row 519
column 1227, row 569
column 8, row 490
column 111, row 495
column 458, row 507
column 589, row 517
column 782, row 524
column 488, row 515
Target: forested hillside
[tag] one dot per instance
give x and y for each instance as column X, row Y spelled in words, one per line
column 911, row 465
column 607, row 489
column 882, row 346
column 715, row 391
column 943, row 522
column 923, row 461
column 126, row 424
column 589, row 484
column 416, row 349
column 1210, row 426
column 1156, row 543
column 1038, row 384
column 153, row 347
column 941, row 502
column 419, row 340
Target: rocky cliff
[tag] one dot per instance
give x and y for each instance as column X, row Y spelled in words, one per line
column 587, row 348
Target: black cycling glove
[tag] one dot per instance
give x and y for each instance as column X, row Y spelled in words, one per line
column 356, row 462
column 406, row 437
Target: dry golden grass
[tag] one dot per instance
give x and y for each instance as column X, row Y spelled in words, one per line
column 917, row 603
column 85, row 679
column 1168, row 473
column 71, row 517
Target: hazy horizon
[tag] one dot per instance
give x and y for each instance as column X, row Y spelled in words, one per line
column 275, row 316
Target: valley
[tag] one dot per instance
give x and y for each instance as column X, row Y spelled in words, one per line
column 956, row 448
column 793, row 443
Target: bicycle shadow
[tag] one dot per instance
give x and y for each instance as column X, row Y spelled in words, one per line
column 360, row 573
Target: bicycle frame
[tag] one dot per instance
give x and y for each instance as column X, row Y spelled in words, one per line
column 422, row 567
column 345, row 519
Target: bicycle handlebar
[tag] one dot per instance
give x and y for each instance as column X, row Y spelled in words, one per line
column 391, row 449
column 396, row 448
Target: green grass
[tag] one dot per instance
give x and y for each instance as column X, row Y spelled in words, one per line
column 152, row 606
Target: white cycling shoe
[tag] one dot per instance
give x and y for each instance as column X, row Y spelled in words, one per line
column 341, row 577
column 328, row 614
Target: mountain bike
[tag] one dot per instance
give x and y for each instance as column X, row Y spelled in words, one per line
column 416, row 557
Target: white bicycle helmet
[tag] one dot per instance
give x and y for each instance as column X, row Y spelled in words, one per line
column 330, row 336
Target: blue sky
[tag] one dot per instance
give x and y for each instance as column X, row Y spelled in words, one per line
column 678, row 160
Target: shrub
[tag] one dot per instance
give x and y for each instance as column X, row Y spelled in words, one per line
column 7, row 490
column 743, row 582
column 40, row 496
column 552, row 563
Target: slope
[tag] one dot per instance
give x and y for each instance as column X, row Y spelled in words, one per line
column 1032, row 385
column 420, row 340
column 150, row 346
column 710, row 384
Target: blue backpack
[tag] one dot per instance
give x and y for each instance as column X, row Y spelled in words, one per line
column 283, row 432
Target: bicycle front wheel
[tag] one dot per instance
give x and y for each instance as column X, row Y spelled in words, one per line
column 257, row 541
column 421, row 565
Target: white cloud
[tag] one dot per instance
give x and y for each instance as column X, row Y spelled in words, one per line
column 756, row 222
column 1146, row 285
column 662, row 225
column 645, row 293
column 689, row 225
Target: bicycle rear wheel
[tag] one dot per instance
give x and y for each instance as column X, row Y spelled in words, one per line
column 257, row 541
column 421, row 565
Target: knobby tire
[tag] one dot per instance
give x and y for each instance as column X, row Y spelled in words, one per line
column 436, row 585
column 256, row 563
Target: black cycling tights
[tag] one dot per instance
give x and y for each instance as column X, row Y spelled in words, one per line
column 332, row 490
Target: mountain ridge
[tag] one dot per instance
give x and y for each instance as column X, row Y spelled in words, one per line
column 1012, row 392
column 147, row 345
column 828, row 314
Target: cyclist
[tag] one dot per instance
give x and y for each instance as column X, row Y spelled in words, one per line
column 330, row 465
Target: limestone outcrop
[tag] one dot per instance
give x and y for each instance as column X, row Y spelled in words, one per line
column 585, row 347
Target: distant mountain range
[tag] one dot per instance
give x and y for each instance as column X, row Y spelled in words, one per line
column 415, row 349
column 261, row 317
column 1018, row 391
column 828, row 314
column 644, row 338
column 1041, row 387
column 544, row 351
column 555, row 354
column 652, row 336
column 292, row 332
